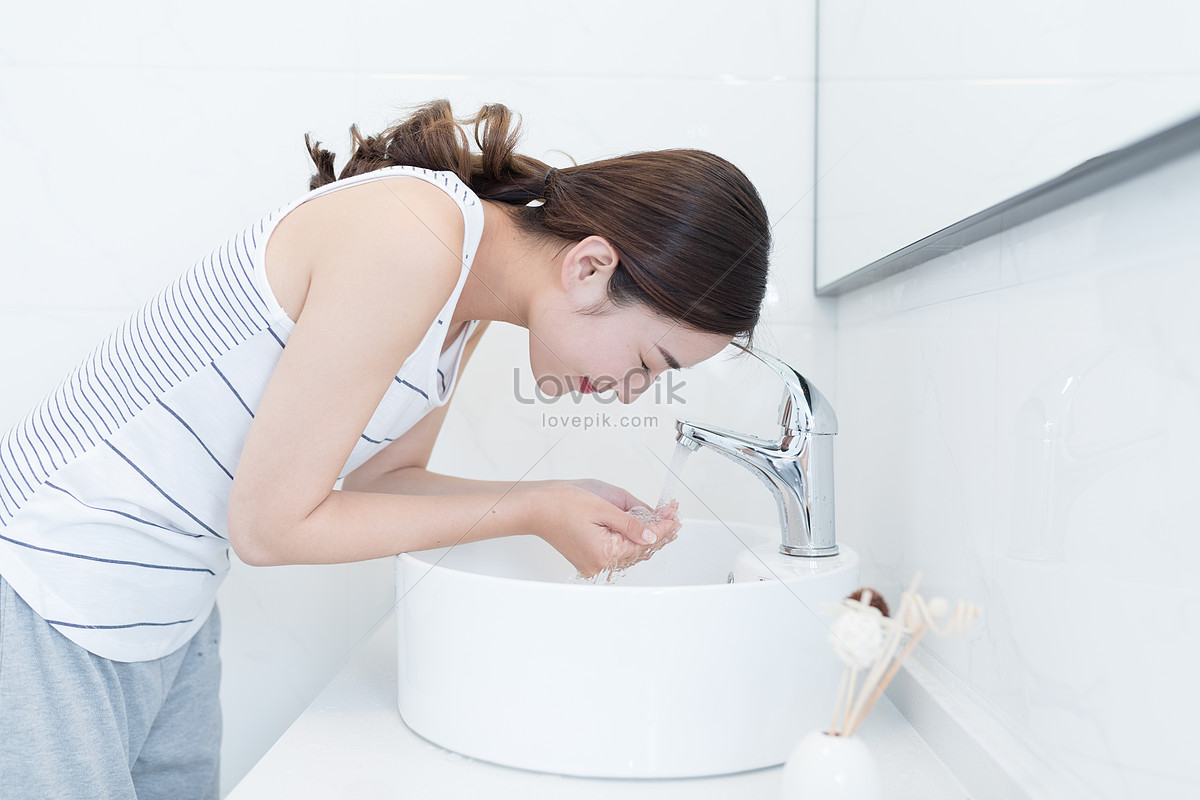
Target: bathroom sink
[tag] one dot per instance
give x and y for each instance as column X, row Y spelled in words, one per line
column 671, row 671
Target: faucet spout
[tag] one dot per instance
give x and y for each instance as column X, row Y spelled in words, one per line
column 797, row 467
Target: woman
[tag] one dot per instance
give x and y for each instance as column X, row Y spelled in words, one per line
column 323, row 342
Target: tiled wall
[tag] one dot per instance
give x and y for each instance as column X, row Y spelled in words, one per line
column 1020, row 424
column 1018, row 418
column 138, row 135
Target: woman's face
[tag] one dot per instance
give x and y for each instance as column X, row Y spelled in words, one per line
column 622, row 350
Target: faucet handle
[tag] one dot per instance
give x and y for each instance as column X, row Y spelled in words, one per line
column 803, row 410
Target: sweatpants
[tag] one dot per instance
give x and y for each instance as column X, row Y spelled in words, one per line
column 75, row 726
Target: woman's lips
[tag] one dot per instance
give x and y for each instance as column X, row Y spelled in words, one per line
column 585, row 386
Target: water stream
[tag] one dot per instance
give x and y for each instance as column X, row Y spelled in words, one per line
column 668, row 493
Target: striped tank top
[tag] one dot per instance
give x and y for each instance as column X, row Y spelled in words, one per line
column 114, row 489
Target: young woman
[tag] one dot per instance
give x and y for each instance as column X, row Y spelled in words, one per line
column 323, row 342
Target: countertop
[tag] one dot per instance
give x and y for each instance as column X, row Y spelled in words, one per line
column 352, row 743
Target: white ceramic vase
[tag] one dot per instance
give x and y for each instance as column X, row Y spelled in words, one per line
column 824, row 767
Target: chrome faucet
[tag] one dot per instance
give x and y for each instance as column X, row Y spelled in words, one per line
column 797, row 467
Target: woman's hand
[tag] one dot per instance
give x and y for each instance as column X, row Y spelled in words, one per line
column 613, row 494
column 593, row 532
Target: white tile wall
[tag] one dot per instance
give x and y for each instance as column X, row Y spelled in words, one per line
column 140, row 137
column 704, row 41
column 129, row 175
column 1019, row 423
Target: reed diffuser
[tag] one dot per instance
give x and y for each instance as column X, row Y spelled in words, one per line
column 872, row 644
column 869, row 640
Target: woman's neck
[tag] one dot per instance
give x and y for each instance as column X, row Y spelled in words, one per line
column 510, row 270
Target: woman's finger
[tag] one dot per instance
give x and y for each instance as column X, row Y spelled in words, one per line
column 666, row 526
column 632, row 529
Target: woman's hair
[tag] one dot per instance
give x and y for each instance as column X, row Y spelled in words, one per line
column 690, row 230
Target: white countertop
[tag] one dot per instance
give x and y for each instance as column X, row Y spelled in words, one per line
column 352, row 743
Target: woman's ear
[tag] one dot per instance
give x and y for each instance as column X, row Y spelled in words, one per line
column 588, row 265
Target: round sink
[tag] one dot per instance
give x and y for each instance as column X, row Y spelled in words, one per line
column 669, row 672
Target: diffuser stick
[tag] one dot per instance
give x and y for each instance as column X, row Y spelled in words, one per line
column 849, row 699
column 887, row 678
column 837, row 706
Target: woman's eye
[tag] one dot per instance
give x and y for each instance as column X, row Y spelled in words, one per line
column 645, row 368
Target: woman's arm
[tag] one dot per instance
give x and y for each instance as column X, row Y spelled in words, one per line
column 419, row 480
column 400, row 468
column 381, row 263
column 358, row 526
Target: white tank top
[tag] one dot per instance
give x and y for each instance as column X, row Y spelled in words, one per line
column 114, row 489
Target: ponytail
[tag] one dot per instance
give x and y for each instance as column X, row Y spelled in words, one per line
column 432, row 138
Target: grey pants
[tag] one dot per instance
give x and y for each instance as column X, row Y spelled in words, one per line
column 74, row 725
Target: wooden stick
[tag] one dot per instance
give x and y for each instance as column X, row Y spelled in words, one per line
column 891, row 673
column 867, row 597
column 837, row 706
column 849, row 698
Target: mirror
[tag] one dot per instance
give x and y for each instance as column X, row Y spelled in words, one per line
column 930, row 111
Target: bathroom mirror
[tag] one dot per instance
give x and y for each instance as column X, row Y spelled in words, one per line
column 931, row 111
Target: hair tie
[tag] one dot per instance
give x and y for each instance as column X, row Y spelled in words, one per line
column 546, row 181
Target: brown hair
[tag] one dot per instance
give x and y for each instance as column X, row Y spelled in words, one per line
column 690, row 229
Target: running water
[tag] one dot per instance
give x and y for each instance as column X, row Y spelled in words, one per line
column 614, row 570
column 682, row 452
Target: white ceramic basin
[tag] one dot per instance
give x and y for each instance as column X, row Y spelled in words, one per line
column 671, row 672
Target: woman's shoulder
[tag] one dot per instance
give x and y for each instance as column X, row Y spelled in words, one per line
column 383, row 225
column 407, row 201
column 382, row 213
column 396, row 220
